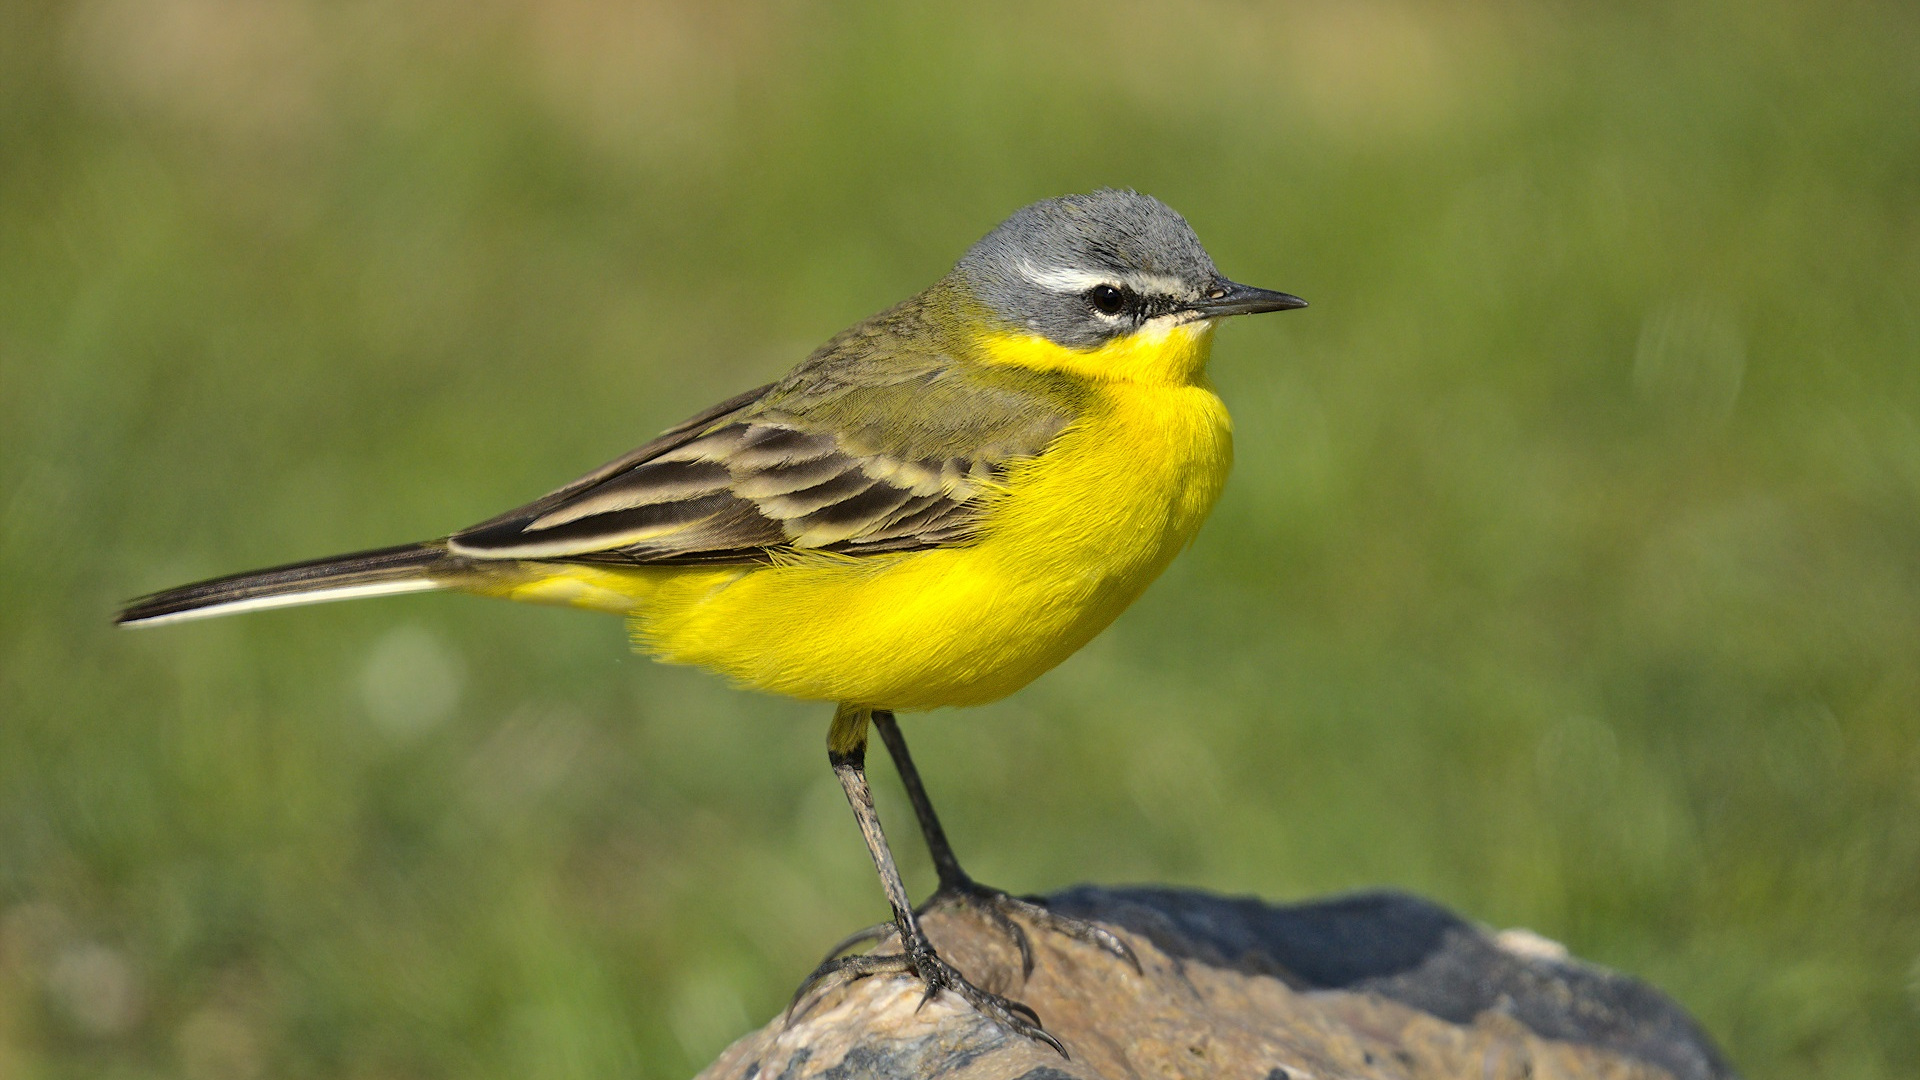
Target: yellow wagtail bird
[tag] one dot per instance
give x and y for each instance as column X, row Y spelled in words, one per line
column 937, row 506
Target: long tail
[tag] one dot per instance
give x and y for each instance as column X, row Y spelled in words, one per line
column 408, row 568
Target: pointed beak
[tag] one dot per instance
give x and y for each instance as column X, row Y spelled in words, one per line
column 1229, row 298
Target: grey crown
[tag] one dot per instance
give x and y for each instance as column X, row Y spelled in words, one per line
column 1025, row 271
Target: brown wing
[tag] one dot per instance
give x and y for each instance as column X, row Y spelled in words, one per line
column 880, row 441
column 742, row 490
column 680, row 434
column 739, row 493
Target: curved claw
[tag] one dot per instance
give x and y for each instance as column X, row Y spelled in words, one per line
column 1025, row 1010
column 936, row 975
column 1009, row 1014
column 996, row 904
column 874, row 934
column 989, row 903
column 852, row 968
column 1081, row 930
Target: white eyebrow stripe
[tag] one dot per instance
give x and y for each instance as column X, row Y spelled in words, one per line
column 1064, row 280
column 1061, row 280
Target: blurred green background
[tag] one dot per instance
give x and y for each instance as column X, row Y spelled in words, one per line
column 1570, row 573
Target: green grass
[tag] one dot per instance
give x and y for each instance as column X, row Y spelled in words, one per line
column 1570, row 573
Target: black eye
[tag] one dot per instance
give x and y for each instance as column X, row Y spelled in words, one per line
column 1107, row 299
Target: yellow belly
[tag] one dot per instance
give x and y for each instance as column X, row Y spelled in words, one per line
column 1076, row 536
column 1073, row 538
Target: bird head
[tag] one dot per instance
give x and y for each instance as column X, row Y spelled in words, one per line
column 1093, row 273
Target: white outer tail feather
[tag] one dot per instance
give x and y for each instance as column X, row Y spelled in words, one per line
column 321, row 595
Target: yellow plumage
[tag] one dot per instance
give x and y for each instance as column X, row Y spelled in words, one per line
column 1068, row 540
column 936, row 507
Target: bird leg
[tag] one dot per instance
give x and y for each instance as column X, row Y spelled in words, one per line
column 957, row 886
column 847, row 750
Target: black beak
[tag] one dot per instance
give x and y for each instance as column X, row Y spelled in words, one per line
column 1227, row 298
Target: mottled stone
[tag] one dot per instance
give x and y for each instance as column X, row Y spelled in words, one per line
column 1376, row 985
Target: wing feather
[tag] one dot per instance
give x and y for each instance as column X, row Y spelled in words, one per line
column 851, row 517
column 741, row 493
column 645, row 485
column 854, row 452
column 787, row 479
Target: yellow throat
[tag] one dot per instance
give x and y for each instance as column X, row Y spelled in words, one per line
column 1167, row 354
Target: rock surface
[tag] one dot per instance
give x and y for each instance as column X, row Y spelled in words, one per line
column 1374, row 985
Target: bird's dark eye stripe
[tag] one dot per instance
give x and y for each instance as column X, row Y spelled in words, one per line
column 1109, row 299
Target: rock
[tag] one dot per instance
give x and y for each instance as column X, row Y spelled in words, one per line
column 1375, row 985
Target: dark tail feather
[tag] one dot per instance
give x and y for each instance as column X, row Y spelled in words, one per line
column 408, row 568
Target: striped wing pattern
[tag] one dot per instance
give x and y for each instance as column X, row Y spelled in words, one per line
column 740, row 492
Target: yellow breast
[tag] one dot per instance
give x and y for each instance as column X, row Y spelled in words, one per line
column 1070, row 541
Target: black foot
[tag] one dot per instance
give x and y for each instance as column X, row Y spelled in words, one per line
column 999, row 908
column 935, row 975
